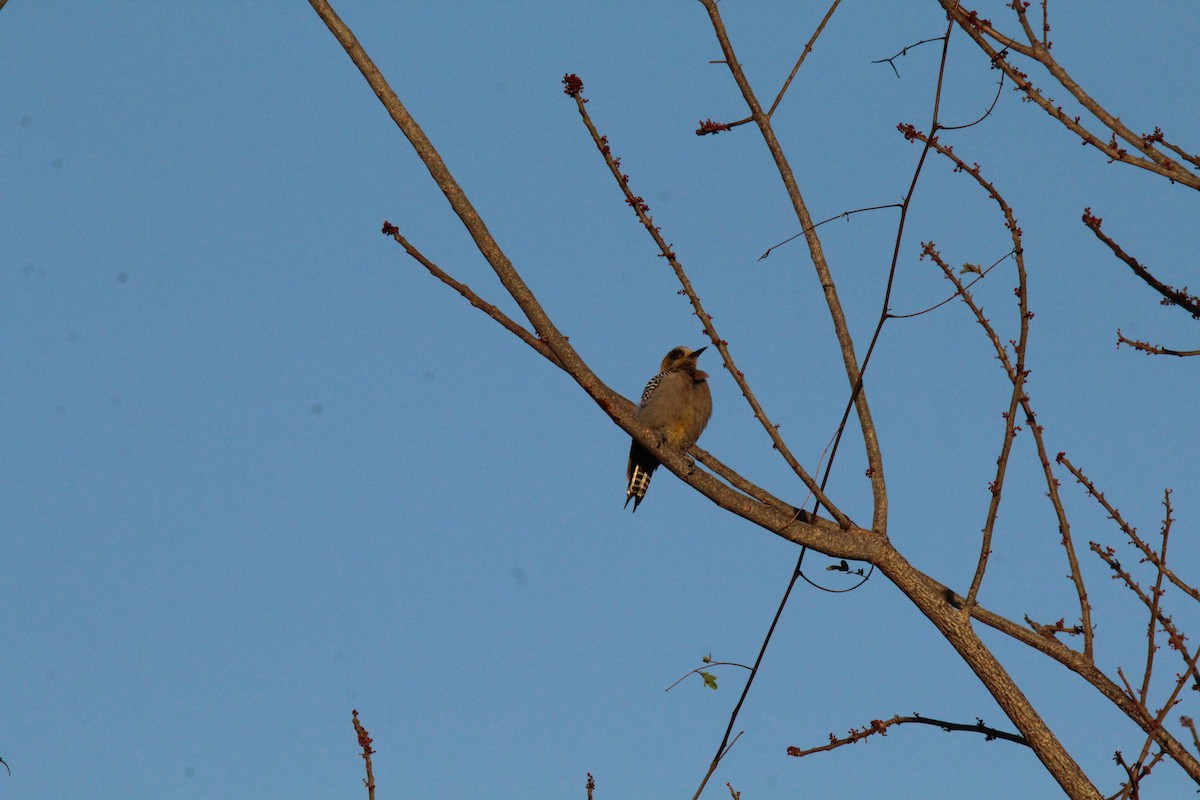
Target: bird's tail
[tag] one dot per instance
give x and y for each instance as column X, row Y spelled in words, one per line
column 641, row 466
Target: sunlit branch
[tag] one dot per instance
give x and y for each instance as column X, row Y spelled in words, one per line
column 574, row 88
column 837, row 315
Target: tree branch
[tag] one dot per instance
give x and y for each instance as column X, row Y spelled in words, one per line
column 841, row 328
column 880, row 727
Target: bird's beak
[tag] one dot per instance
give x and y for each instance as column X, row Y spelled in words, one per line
column 696, row 353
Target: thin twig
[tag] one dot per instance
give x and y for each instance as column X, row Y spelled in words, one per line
column 364, row 741
column 700, row 671
column 725, row 745
column 891, row 62
column 1017, row 374
column 1175, row 638
column 1190, row 724
column 880, row 727
column 980, row 275
column 1153, row 349
column 1131, row 532
column 1171, row 296
column 1010, row 428
column 843, row 215
column 492, row 311
column 803, row 55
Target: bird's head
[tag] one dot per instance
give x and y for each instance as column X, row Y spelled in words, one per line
column 682, row 358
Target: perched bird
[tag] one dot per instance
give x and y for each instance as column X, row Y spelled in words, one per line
column 676, row 405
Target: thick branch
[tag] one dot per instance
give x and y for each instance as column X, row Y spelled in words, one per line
column 789, row 523
column 958, row 631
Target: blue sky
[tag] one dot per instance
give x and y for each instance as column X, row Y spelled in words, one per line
column 261, row 469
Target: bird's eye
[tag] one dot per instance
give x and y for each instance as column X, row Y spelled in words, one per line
column 676, row 353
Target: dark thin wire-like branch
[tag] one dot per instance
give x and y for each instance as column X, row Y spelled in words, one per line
column 725, row 745
column 980, row 275
column 700, row 671
column 843, row 215
column 891, row 62
column 987, row 113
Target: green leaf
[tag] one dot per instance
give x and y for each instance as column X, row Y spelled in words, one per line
column 710, row 680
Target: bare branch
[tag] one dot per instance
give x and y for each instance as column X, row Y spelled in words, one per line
column 1131, row 532
column 364, row 741
column 574, row 88
column 803, row 55
column 891, row 61
column 841, row 327
column 1153, row 349
column 1171, row 296
column 492, row 311
column 1017, row 373
column 1190, row 724
column 830, row 538
column 880, row 727
column 981, row 30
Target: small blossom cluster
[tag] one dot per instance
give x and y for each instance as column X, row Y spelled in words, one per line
column 572, row 84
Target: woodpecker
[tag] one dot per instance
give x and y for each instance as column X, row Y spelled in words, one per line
column 676, row 405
